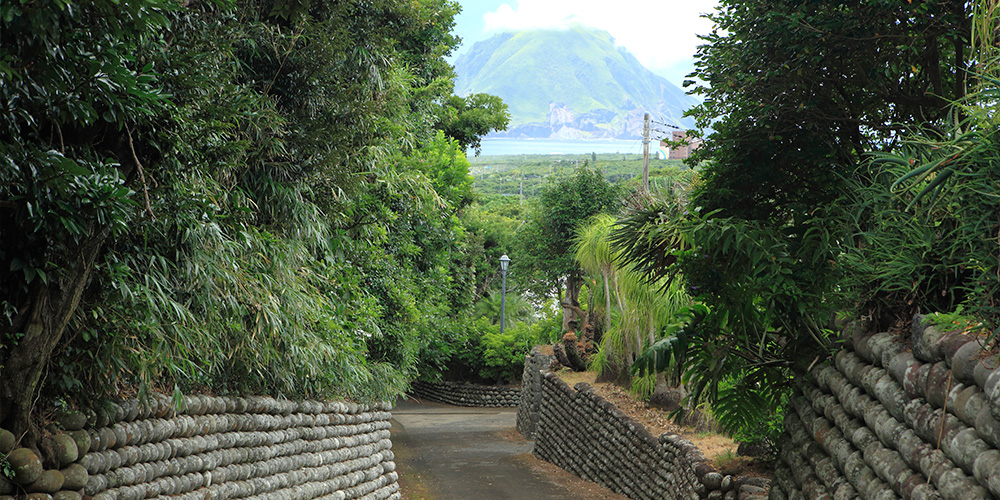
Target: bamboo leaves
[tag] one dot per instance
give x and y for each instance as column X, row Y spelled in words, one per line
column 297, row 248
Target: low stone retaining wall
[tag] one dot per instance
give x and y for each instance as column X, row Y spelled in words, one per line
column 231, row 447
column 583, row 433
column 893, row 419
column 531, row 391
column 462, row 394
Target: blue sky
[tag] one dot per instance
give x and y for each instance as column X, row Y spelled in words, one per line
column 662, row 34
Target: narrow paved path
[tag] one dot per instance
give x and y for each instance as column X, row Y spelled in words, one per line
column 446, row 452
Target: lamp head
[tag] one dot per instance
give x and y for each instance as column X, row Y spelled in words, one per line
column 504, row 262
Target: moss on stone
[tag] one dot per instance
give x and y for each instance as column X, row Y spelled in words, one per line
column 76, row 477
column 82, row 439
column 27, row 467
column 72, row 420
column 66, row 451
column 49, row 481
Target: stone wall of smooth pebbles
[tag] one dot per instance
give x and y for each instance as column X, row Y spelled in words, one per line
column 232, row 447
column 62, row 476
column 585, row 434
column 891, row 417
column 531, row 391
column 463, row 394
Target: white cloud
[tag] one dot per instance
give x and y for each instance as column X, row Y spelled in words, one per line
column 661, row 34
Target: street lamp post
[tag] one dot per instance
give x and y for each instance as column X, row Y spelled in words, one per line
column 504, row 262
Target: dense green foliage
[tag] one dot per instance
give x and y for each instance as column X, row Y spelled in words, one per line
column 926, row 219
column 545, row 283
column 514, row 175
column 492, row 227
column 471, row 347
column 538, row 236
column 599, row 89
column 252, row 197
column 797, row 92
column 545, row 243
column 636, row 312
column 797, row 95
column 275, row 197
column 847, row 174
column 469, row 118
column 475, row 350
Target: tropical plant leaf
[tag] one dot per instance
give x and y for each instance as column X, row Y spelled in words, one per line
column 739, row 407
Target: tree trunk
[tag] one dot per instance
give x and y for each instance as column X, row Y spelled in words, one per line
column 652, row 330
column 638, row 344
column 572, row 350
column 48, row 311
column 618, row 294
column 580, row 313
column 607, row 302
column 961, row 78
column 560, row 353
column 588, row 332
column 571, row 303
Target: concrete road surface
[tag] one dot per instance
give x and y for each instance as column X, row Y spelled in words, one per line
column 446, row 452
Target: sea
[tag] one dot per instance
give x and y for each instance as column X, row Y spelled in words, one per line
column 499, row 147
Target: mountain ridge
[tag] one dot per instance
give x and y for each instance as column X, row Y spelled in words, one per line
column 572, row 83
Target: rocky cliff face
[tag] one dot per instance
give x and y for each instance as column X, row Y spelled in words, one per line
column 570, row 84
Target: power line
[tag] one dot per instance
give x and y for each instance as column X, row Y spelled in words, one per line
column 667, row 125
column 661, row 130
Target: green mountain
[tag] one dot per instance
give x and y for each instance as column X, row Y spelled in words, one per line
column 569, row 84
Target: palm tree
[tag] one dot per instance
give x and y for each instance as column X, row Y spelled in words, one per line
column 593, row 252
column 644, row 308
column 518, row 309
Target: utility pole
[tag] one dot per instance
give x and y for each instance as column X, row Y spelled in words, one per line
column 645, row 154
column 521, row 202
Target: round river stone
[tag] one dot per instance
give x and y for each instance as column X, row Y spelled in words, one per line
column 7, row 441
column 65, row 448
column 50, row 481
column 82, row 439
column 76, row 477
column 72, row 420
column 27, row 467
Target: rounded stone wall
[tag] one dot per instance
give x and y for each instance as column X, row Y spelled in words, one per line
column 463, row 394
column 531, row 391
column 891, row 417
column 234, row 447
column 61, row 476
column 589, row 436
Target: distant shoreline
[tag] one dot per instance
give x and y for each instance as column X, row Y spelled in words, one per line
column 509, row 146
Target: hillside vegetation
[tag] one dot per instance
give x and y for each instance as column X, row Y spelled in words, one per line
column 507, row 174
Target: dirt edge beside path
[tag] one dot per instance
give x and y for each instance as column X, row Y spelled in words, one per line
column 657, row 421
